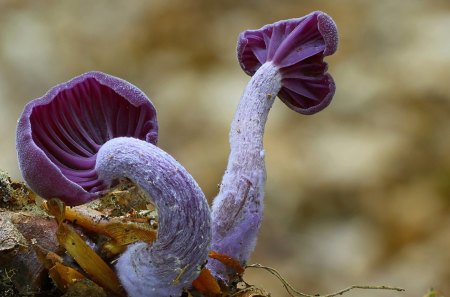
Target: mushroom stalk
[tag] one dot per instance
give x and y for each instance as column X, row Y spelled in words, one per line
column 174, row 260
column 285, row 59
column 237, row 209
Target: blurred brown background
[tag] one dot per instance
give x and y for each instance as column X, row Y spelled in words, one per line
column 357, row 194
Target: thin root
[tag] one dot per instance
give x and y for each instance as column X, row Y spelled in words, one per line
column 293, row 292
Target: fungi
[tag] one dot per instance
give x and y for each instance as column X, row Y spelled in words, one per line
column 60, row 133
column 73, row 142
column 285, row 59
column 296, row 47
column 83, row 134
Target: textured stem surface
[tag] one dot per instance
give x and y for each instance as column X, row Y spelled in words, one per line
column 174, row 260
column 237, row 209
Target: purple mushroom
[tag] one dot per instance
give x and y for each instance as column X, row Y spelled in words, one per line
column 285, row 60
column 85, row 133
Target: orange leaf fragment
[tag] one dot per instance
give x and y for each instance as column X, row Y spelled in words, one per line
column 206, row 284
column 64, row 276
column 227, row 261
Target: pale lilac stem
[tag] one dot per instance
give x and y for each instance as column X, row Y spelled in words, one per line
column 170, row 264
column 237, row 209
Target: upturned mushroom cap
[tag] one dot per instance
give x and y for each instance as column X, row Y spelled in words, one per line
column 297, row 47
column 60, row 133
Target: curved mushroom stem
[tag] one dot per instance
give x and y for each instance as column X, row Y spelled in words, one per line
column 175, row 259
column 237, row 209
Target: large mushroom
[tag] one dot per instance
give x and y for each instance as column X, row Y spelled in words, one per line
column 73, row 142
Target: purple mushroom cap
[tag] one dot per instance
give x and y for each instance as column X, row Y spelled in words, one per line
column 60, row 133
column 297, row 47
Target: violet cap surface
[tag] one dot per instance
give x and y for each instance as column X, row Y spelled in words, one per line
column 60, row 133
column 298, row 47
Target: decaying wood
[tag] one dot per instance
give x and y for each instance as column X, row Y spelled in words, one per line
column 18, row 232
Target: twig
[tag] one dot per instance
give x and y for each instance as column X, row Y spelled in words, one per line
column 249, row 288
column 293, row 292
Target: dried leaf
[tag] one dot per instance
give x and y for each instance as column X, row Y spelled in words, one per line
column 64, row 276
column 120, row 231
column 47, row 258
column 56, row 208
column 89, row 261
column 206, row 284
column 227, row 261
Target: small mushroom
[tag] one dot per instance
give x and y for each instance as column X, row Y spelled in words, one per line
column 84, row 134
column 285, row 60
